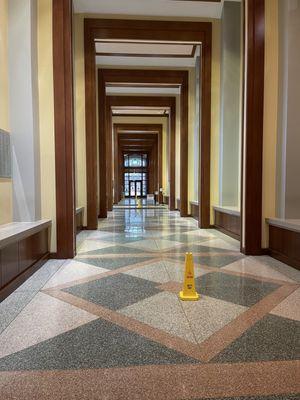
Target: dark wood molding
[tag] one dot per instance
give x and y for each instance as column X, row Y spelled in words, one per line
column 153, row 101
column 228, row 223
column 205, row 132
column 253, row 130
column 103, row 147
column 184, row 145
column 64, row 129
column 117, row 29
column 90, row 127
column 284, row 245
column 141, row 115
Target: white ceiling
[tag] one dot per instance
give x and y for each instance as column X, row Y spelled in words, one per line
column 142, row 111
column 142, row 90
column 164, row 8
column 168, row 49
column 145, row 61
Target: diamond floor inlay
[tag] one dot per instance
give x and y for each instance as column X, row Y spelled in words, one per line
column 110, row 325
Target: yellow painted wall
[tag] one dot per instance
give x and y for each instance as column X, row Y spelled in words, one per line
column 191, row 143
column 151, row 120
column 79, row 98
column 46, row 115
column 270, row 115
column 215, row 116
column 5, row 184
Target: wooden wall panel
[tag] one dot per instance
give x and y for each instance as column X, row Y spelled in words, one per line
column 228, row 224
column 32, row 249
column 194, row 210
column 284, row 245
column 21, row 259
column 9, row 262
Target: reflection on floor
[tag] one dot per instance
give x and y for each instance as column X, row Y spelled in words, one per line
column 131, row 202
column 109, row 324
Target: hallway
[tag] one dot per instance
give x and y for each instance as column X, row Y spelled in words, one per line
column 109, row 323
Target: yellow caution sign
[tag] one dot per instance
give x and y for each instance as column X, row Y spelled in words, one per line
column 139, row 203
column 188, row 292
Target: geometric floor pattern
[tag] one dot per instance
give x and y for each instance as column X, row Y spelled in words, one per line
column 109, row 324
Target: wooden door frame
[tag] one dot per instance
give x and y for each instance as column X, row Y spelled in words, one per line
column 151, row 101
column 132, row 127
column 187, row 31
column 152, row 30
column 158, row 78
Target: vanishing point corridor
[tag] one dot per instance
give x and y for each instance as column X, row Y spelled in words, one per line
column 109, row 325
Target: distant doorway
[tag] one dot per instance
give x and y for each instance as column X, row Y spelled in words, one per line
column 135, row 175
column 135, row 188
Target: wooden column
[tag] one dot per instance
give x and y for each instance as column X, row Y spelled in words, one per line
column 64, row 129
column 253, row 128
column 102, row 115
column 172, row 151
column 90, row 128
column 205, row 133
column 184, row 128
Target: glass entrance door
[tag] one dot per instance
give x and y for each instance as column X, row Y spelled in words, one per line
column 135, row 188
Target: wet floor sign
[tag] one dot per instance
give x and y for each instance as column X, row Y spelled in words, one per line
column 188, row 293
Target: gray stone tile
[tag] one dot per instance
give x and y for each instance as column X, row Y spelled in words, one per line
column 113, row 250
column 162, row 311
column 234, row 289
column 12, row 306
column 40, row 277
column 284, row 269
column 113, row 263
column 115, row 291
column 123, row 239
column 198, row 248
column 183, row 238
column 272, row 338
column 217, row 261
column 98, row 344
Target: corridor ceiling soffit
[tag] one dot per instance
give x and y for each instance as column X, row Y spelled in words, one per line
column 164, row 8
column 142, row 49
column 115, row 90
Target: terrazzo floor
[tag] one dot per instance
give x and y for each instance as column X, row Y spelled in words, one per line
column 109, row 325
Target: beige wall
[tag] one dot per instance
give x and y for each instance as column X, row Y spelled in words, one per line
column 46, row 115
column 5, row 184
column 191, row 153
column 270, row 115
column 79, row 98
